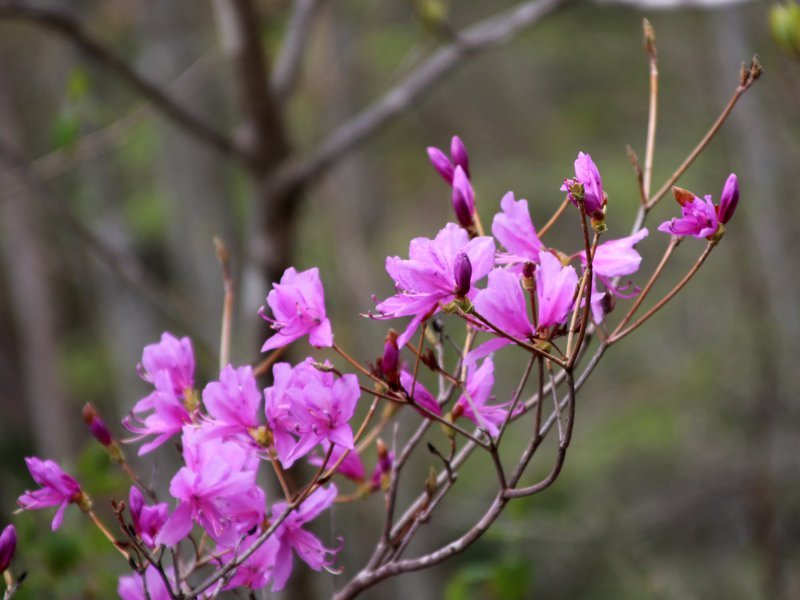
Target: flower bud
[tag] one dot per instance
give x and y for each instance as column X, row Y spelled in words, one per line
column 463, row 198
column 8, row 544
column 458, row 152
column 391, row 355
column 682, row 196
column 442, row 164
column 729, row 199
column 96, row 425
column 462, row 271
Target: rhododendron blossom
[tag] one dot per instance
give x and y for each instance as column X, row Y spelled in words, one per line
column 298, row 308
column 556, row 285
column 473, row 404
column 147, row 520
column 587, row 175
column 514, row 229
column 232, row 403
column 426, row 281
column 58, row 489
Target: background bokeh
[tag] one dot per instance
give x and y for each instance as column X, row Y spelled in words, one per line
column 681, row 481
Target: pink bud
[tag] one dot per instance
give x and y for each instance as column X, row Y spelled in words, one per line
column 391, row 355
column 442, row 164
column 96, row 425
column 462, row 271
column 8, row 544
column 729, row 199
column 463, row 198
column 458, row 152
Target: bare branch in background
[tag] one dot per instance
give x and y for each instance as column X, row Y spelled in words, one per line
column 482, row 36
column 290, row 59
column 67, row 27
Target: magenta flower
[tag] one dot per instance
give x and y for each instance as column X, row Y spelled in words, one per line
column 217, row 489
column 298, row 305
column 555, row 290
column 292, row 537
column 514, row 229
column 8, row 544
column 173, row 355
column 58, row 489
column 444, row 166
column 351, row 466
column 588, row 175
column 96, row 425
column 168, row 416
column 256, row 572
column 323, row 414
column 427, row 280
column 614, row 258
column 698, row 219
column 148, row 587
column 147, row 520
column 473, row 405
column 729, row 199
column 421, row 396
column 503, row 304
column 233, row 403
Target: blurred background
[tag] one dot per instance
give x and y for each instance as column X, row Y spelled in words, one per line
column 117, row 121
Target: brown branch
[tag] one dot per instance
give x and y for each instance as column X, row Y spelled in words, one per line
column 290, row 58
column 64, row 25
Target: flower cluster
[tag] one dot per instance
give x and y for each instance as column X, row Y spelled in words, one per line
column 510, row 289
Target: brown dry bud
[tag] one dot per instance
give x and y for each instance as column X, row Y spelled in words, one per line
column 649, row 39
column 682, row 196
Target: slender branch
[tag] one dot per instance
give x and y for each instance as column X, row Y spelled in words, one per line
column 227, row 304
column 486, row 34
column 64, row 25
column 650, row 47
column 618, row 336
column 290, row 59
column 556, row 216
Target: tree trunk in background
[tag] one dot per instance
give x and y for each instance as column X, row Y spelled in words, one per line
column 193, row 177
column 33, row 302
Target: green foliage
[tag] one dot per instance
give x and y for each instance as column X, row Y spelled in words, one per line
column 506, row 579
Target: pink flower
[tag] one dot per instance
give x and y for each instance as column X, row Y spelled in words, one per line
column 514, row 229
column 292, row 537
column 588, row 175
column 298, row 305
column 147, row 520
column 233, row 403
column 729, row 199
column 463, row 198
column 555, row 290
column 8, row 544
column 444, row 166
column 255, row 572
column 173, row 356
column 168, row 416
column 698, row 219
column 149, row 587
column 351, row 466
column 421, row 396
column 480, row 382
column 217, row 489
column 58, row 489
column 427, row 279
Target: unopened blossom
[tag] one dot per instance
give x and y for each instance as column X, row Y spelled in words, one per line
column 232, row 403
column 8, row 544
column 293, row 539
column 389, row 362
column 463, row 198
column 147, row 520
column 298, row 308
column 58, row 489
column 167, row 414
column 614, row 258
column 351, row 466
column 97, row 427
column 217, row 489
column 555, row 290
column 421, row 396
column 474, row 403
column 151, row 586
column 729, row 199
column 503, row 304
column 383, row 468
column 698, row 219
column 444, row 165
column 514, row 230
column 462, row 270
column 587, row 175
column 173, row 355
column 426, row 281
